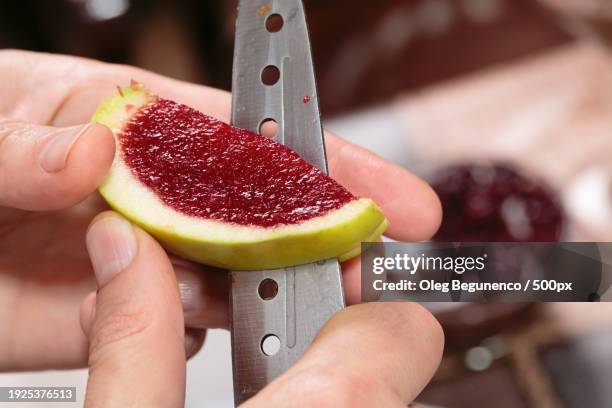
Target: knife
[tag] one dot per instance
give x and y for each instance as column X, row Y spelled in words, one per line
column 275, row 314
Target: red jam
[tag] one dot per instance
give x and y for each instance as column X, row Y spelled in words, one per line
column 203, row 167
column 495, row 204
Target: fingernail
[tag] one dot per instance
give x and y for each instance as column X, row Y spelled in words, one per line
column 190, row 287
column 111, row 244
column 54, row 153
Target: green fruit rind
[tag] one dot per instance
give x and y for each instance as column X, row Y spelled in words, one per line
column 226, row 245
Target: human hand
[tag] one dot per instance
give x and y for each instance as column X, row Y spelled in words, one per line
column 370, row 355
column 46, row 203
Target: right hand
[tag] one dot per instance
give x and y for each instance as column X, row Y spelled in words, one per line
column 369, row 355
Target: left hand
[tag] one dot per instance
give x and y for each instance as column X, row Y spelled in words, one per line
column 44, row 270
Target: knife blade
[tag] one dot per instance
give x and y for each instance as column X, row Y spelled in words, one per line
column 304, row 296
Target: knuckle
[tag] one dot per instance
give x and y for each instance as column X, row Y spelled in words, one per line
column 8, row 130
column 119, row 323
column 8, row 127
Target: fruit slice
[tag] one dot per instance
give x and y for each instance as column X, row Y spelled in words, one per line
column 224, row 196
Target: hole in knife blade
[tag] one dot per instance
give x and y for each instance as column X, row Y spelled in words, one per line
column 268, row 288
column 270, row 75
column 274, row 23
column 268, row 128
column 270, row 344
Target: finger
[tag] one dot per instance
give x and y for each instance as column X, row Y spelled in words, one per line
column 352, row 283
column 47, row 168
column 88, row 313
column 136, row 341
column 194, row 338
column 351, row 280
column 102, row 80
column 394, row 350
column 204, row 294
column 412, row 207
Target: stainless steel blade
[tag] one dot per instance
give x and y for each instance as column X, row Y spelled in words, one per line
column 308, row 295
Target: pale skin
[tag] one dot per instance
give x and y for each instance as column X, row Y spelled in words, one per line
column 151, row 311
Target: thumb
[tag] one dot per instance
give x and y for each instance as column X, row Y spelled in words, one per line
column 368, row 355
column 49, row 168
column 136, row 352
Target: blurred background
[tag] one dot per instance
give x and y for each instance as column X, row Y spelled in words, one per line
column 505, row 106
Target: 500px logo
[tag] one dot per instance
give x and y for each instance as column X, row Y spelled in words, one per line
column 411, row 264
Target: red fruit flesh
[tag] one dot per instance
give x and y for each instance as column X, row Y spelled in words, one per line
column 205, row 168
